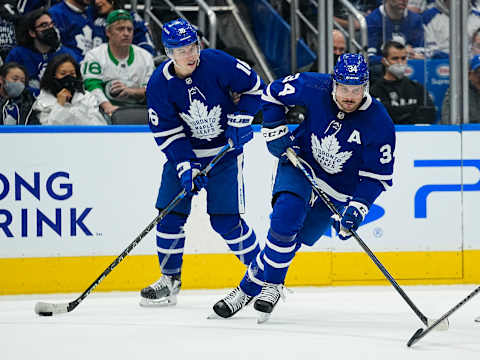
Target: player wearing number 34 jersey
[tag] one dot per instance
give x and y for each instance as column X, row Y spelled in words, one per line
column 347, row 140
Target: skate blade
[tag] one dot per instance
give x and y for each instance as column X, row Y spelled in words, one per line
column 263, row 317
column 170, row 301
column 214, row 316
column 477, row 319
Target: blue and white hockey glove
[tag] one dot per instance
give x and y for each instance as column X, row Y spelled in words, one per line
column 239, row 128
column 278, row 140
column 351, row 219
column 191, row 178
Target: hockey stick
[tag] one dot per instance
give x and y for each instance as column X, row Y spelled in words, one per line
column 420, row 333
column 49, row 309
column 295, row 160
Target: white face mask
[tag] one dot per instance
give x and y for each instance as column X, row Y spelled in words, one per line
column 397, row 70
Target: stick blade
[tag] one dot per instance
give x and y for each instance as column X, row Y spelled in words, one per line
column 49, row 309
column 415, row 337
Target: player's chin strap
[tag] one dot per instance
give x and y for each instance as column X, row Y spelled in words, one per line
column 298, row 163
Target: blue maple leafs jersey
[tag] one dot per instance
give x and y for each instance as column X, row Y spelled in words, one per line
column 188, row 117
column 381, row 29
column 76, row 29
column 350, row 153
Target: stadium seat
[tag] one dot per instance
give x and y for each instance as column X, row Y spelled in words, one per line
column 130, row 115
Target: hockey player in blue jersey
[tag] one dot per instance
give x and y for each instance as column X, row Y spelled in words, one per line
column 348, row 140
column 192, row 115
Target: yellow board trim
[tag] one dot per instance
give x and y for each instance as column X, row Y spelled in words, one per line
column 210, row 271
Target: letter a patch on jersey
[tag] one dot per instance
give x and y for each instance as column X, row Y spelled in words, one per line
column 355, row 137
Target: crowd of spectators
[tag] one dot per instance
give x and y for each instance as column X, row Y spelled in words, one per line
column 72, row 61
column 419, row 28
column 114, row 54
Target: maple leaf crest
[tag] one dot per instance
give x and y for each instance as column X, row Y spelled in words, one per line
column 85, row 39
column 204, row 124
column 327, row 153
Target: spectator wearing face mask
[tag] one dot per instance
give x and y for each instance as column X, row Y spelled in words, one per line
column 38, row 43
column 407, row 101
column 62, row 100
column 15, row 100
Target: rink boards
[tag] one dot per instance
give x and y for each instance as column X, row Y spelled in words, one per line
column 72, row 198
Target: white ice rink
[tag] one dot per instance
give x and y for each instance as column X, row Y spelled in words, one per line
column 314, row 323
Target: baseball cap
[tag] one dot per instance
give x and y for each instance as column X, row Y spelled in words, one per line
column 117, row 15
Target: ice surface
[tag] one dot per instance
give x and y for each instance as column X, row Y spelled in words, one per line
column 314, row 323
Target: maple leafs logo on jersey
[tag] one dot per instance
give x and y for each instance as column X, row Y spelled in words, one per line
column 327, row 153
column 204, row 124
column 85, row 39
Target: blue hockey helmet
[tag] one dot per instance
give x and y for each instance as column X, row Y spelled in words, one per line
column 351, row 69
column 178, row 33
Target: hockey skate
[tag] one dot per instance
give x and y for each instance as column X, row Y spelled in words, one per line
column 477, row 319
column 162, row 292
column 235, row 301
column 267, row 300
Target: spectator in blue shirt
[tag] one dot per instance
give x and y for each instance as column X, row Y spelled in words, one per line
column 393, row 21
column 74, row 20
column 38, row 43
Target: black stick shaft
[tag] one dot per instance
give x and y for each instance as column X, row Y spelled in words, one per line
column 420, row 333
column 292, row 156
column 73, row 304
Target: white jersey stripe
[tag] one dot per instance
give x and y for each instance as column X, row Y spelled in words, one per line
column 255, row 89
column 169, row 251
column 268, row 97
column 170, row 140
column 241, row 238
column 275, row 264
column 202, row 153
column 247, row 250
column 283, row 250
column 375, row 176
column 168, row 132
column 170, row 236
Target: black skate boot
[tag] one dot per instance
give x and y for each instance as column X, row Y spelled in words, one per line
column 235, row 301
column 162, row 292
column 267, row 300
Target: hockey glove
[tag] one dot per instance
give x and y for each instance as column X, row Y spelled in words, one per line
column 239, row 128
column 278, row 140
column 191, row 178
column 351, row 219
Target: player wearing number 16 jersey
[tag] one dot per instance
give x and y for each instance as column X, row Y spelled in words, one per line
column 347, row 140
column 192, row 115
